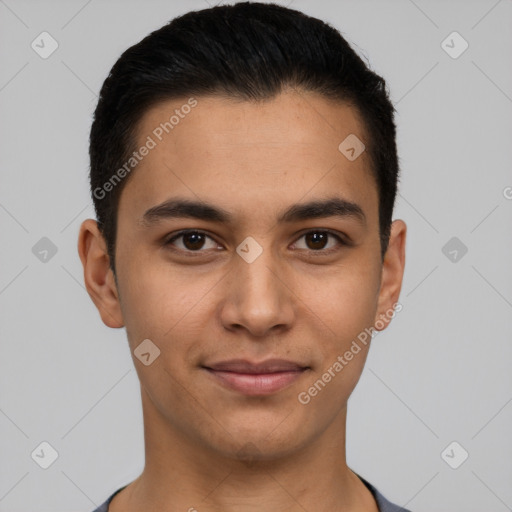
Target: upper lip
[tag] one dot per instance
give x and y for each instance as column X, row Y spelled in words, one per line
column 244, row 366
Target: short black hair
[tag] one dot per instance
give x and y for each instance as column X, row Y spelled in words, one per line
column 250, row 51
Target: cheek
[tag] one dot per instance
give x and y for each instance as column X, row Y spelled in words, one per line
column 346, row 310
column 172, row 309
column 343, row 301
column 155, row 299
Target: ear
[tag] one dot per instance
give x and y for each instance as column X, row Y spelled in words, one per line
column 98, row 276
column 391, row 277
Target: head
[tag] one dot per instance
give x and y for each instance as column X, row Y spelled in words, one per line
column 249, row 52
column 244, row 111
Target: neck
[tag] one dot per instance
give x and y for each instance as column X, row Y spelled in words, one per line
column 182, row 474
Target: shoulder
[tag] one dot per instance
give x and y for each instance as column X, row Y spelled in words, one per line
column 383, row 504
column 104, row 506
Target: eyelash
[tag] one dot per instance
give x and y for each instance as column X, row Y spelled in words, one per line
column 320, row 252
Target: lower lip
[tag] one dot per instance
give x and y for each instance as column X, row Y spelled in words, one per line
column 256, row 384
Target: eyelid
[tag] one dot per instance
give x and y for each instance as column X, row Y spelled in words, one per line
column 168, row 240
column 342, row 239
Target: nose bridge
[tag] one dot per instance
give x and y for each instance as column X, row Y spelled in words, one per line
column 258, row 299
column 258, row 283
column 259, row 280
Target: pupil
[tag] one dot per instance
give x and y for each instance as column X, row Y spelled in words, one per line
column 196, row 240
column 317, row 238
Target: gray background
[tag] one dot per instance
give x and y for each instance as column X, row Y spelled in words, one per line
column 439, row 373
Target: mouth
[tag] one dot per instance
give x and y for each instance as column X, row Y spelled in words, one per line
column 256, row 379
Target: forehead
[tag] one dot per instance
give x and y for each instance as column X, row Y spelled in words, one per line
column 293, row 117
column 238, row 153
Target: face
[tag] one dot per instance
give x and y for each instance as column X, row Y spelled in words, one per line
column 258, row 275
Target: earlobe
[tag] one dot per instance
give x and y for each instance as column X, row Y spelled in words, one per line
column 98, row 277
column 392, row 275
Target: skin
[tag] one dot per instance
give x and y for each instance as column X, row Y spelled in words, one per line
column 209, row 448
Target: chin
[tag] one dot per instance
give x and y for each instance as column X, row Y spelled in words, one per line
column 263, row 443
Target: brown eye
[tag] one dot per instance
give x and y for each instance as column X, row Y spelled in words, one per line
column 318, row 240
column 192, row 241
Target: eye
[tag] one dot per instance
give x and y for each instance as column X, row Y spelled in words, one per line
column 317, row 240
column 195, row 241
column 192, row 241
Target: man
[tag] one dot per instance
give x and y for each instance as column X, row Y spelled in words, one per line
column 244, row 171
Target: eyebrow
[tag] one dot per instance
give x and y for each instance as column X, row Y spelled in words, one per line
column 201, row 210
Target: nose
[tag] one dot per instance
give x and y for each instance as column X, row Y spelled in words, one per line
column 259, row 297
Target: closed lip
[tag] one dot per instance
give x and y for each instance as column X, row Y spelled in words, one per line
column 248, row 367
